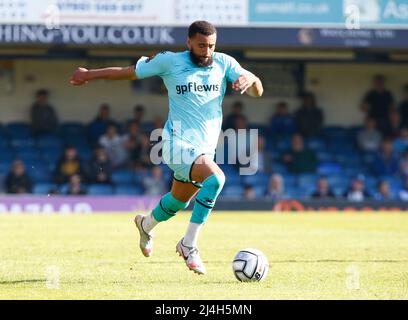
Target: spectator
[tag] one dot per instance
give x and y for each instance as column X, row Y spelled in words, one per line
column 114, row 144
column 299, row 159
column 276, row 188
column 403, row 107
column 378, row 102
column 99, row 125
column 75, row 186
column 138, row 113
column 369, row 138
column 155, row 184
column 132, row 139
column 142, row 155
column 403, row 164
column 323, row 190
column 43, row 116
column 282, row 122
column 99, row 169
column 356, row 191
column 385, row 162
column 17, row 180
column 237, row 112
column 393, row 128
column 264, row 158
column 68, row 165
column 309, row 117
column 400, row 144
column 383, row 191
column 403, row 193
column 249, row 192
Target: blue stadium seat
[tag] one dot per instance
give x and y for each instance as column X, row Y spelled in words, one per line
column 260, row 190
column 49, row 141
column 232, row 191
column 100, row 189
column 123, row 176
column 255, row 180
column 329, row 168
column 128, row 190
column 279, row 168
column 72, row 128
column 232, row 179
column 316, row 144
column 40, row 174
column 27, row 142
column 44, row 188
column 28, row 156
column 307, row 181
column 324, row 156
column 19, row 130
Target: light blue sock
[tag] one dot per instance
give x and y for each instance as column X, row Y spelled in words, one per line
column 206, row 197
column 168, row 207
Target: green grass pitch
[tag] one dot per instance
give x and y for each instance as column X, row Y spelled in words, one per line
column 311, row 256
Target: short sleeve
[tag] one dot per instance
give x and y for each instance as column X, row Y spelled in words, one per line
column 156, row 65
column 234, row 69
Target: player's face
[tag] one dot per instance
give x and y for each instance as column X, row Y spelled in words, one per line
column 201, row 48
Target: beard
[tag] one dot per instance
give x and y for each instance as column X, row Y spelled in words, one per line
column 200, row 61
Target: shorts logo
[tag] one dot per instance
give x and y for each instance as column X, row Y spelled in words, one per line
column 193, row 86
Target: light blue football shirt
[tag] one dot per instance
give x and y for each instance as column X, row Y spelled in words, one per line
column 195, row 94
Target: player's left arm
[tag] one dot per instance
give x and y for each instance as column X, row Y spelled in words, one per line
column 250, row 84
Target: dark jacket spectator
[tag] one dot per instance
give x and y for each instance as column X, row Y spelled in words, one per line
column 43, row 116
column 132, row 140
column 282, row 122
column 141, row 155
column 299, row 159
column 400, row 144
column 356, row 191
column 75, row 186
column 17, row 181
column 403, row 107
column 68, row 165
column 369, row 138
column 323, row 190
column 237, row 112
column 99, row 168
column 98, row 126
column 309, row 117
column 378, row 102
column 386, row 162
column 393, row 127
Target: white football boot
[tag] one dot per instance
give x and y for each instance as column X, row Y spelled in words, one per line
column 191, row 257
column 146, row 240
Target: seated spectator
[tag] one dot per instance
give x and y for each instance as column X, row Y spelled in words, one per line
column 323, row 190
column 99, row 169
column 237, row 112
column 264, row 158
column 401, row 143
column 249, row 192
column 276, row 188
column 393, row 129
column 68, row 165
column 75, row 186
column 356, row 191
column 386, row 162
column 369, row 138
column 403, row 164
column 43, row 116
column 309, row 117
column 17, row 180
column 403, row 107
column 132, row 139
column 299, row 159
column 378, row 102
column 141, row 156
column 138, row 113
column 282, row 122
column 403, row 193
column 98, row 126
column 114, row 145
column 383, row 191
column 155, row 184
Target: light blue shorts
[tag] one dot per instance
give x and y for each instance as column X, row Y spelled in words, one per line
column 180, row 156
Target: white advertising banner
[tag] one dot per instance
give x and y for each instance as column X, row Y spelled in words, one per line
column 123, row 12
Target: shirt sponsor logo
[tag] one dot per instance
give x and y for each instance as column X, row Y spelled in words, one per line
column 193, row 86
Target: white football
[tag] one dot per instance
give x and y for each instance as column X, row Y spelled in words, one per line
column 250, row 265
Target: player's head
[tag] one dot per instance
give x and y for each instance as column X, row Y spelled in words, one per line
column 202, row 37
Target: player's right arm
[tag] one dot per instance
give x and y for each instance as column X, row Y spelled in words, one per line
column 82, row 75
column 156, row 65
